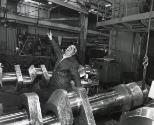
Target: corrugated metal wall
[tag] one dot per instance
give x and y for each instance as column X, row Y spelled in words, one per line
column 7, row 40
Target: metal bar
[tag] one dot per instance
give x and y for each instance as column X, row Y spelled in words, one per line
column 63, row 19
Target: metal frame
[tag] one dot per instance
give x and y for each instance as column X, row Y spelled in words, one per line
column 32, row 21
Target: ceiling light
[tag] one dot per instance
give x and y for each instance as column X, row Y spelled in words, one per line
column 49, row 2
column 108, row 5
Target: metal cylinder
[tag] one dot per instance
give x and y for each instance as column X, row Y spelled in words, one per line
column 9, row 77
column 130, row 95
column 75, row 101
column 122, row 98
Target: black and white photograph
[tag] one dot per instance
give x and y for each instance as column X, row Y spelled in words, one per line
column 76, row 62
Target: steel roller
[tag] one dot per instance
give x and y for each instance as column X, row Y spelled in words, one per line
column 123, row 97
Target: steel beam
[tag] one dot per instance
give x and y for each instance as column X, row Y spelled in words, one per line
column 64, row 19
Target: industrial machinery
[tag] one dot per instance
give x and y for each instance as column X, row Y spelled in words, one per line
column 87, row 75
column 109, row 70
column 89, row 79
column 75, row 106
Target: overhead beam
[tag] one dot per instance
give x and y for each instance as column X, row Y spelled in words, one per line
column 63, row 19
column 42, row 23
column 67, row 37
column 109, row 1
column 65, row 4
column 130, row 18
column 83, row 37
column 92, row 32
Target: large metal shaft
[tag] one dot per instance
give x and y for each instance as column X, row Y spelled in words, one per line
column 123, row 97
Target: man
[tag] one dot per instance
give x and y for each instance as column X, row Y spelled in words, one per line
column 65, row 69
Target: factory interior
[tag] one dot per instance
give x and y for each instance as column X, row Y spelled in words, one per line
column 76, row 62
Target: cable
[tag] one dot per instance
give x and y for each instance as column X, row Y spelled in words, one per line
column 145, row 62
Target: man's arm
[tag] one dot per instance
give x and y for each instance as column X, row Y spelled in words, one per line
column 75, row 74
column 55, row 46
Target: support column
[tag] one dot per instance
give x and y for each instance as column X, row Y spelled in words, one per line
column 3, row 6
column 83, row 37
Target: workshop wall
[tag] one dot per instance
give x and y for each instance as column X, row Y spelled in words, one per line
column 12, row 6
column 150, row 70
column 125, row 47
column 7, row 40
column 127, row 7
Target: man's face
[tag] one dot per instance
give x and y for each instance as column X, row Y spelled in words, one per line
column 69, row 51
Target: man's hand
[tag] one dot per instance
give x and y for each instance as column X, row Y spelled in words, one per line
column 50, row 35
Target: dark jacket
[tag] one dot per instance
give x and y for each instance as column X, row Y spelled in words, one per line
column 64, row 71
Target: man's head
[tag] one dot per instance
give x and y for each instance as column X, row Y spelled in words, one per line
column 71, row 50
